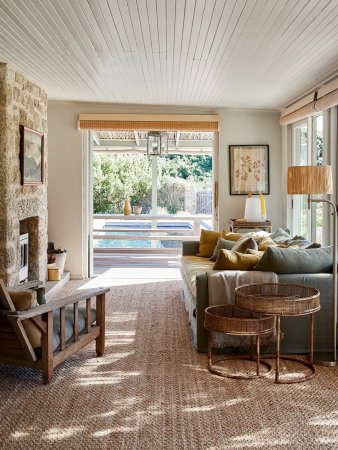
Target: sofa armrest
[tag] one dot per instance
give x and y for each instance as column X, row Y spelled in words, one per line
column 190, row 247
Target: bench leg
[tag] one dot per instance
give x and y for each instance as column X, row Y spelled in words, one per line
column 101, row 322
column 47, row 348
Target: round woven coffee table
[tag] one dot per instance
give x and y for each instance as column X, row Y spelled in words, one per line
column 231, row 320
column 280, row 299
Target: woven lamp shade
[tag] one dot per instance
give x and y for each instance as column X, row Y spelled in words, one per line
column 310, row 180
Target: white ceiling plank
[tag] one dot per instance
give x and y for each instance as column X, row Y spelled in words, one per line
column 37, row 58
column 178, row 37
column 147, row 40
column 140, row 45
column 162, row 40
column 155, row 47
column 186, row 39
column 170, row 15
column 189, row 62
column 202, row 36
column 208, row 53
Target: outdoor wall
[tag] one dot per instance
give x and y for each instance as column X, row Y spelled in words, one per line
column 65, row 190
column 21, row 103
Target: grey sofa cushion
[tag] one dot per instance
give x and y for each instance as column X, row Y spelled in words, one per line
column 289, row 260
column 222, row 244
column 244, row 244
column 69, row 324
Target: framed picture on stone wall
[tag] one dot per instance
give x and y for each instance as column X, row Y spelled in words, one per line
column 31, row 156
column 249, row 169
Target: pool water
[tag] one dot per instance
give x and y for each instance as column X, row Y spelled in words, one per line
column 163, row 226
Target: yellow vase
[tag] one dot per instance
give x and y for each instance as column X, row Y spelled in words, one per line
column 127, row 207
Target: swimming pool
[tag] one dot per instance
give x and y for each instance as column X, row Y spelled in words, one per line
column 141, row 243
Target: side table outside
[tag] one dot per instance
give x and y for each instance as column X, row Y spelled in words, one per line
column 280, row 299
column 231, row 320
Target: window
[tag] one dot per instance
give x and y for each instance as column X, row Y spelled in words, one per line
column 307, row 149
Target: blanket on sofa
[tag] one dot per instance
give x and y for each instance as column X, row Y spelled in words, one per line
column 222, row 283
column 222, row 286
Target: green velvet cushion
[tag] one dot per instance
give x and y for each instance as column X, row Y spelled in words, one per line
column 222, row 244
column 289, row 260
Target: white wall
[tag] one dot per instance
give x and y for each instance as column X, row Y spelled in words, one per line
column 251, row 127
column 65, row 168
column 65, row 186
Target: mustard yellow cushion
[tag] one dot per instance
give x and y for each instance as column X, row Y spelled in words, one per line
column 250, row 251
column 230, row 236
column 265, row 243
column 230, row 260
column 208, row 241
column 23, row 300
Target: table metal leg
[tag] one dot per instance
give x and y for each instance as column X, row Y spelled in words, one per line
column 209, row 349
column 277, row 349
column 311, row 337
column 308, row 364
column 257, row 353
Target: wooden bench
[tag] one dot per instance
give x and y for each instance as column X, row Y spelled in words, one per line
column 15, row 346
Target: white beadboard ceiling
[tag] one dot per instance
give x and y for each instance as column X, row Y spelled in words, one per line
column 209, row 53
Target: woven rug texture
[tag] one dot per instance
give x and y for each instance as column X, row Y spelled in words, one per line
column 151, row 390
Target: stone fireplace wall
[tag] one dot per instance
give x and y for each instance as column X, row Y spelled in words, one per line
column 21, row 103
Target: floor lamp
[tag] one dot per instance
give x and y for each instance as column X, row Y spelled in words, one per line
column 318, row 180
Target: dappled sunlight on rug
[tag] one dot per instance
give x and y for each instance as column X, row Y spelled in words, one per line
column 151, row 390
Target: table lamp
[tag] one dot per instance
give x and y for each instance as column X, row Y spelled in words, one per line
column 255, row 209
column 318, row 180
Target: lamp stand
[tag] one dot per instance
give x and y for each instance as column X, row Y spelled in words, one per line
column 328, row 358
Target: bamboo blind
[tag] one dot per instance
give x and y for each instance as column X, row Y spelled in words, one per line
column 327, row 101
column 177, row 124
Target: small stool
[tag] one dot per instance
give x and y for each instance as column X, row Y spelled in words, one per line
column 231, row 320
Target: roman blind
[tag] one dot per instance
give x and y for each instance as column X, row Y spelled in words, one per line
column 323, row 99
column 143, row 122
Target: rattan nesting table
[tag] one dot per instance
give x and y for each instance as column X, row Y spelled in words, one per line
column 279, row 299
column 231, row 320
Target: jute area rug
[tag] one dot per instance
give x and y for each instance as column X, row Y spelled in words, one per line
column 151, row 390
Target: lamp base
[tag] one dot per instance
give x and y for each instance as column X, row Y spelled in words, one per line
column 325, row 359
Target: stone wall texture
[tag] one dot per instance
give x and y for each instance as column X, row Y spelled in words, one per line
column 21, row 103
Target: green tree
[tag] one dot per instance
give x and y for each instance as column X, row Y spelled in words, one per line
column 117, row 177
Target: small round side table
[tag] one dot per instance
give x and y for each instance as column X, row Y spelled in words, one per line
column 229, row 319
column 279, row 299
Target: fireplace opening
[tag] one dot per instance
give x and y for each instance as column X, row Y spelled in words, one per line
column 23, row 272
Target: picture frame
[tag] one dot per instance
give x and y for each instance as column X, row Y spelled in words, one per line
column 249, row 169
column 31, row 156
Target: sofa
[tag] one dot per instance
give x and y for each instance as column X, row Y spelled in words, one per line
column 197, row 273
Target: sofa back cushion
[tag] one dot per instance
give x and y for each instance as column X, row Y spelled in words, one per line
column 231, row 236
column 244, row 243
column 230, row 260
column 265, row 243
column 208, row 241
column 222, row 244
column 290, row 260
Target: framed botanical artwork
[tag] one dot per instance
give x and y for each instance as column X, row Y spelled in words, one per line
column 249, row 169
column 31, row 156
